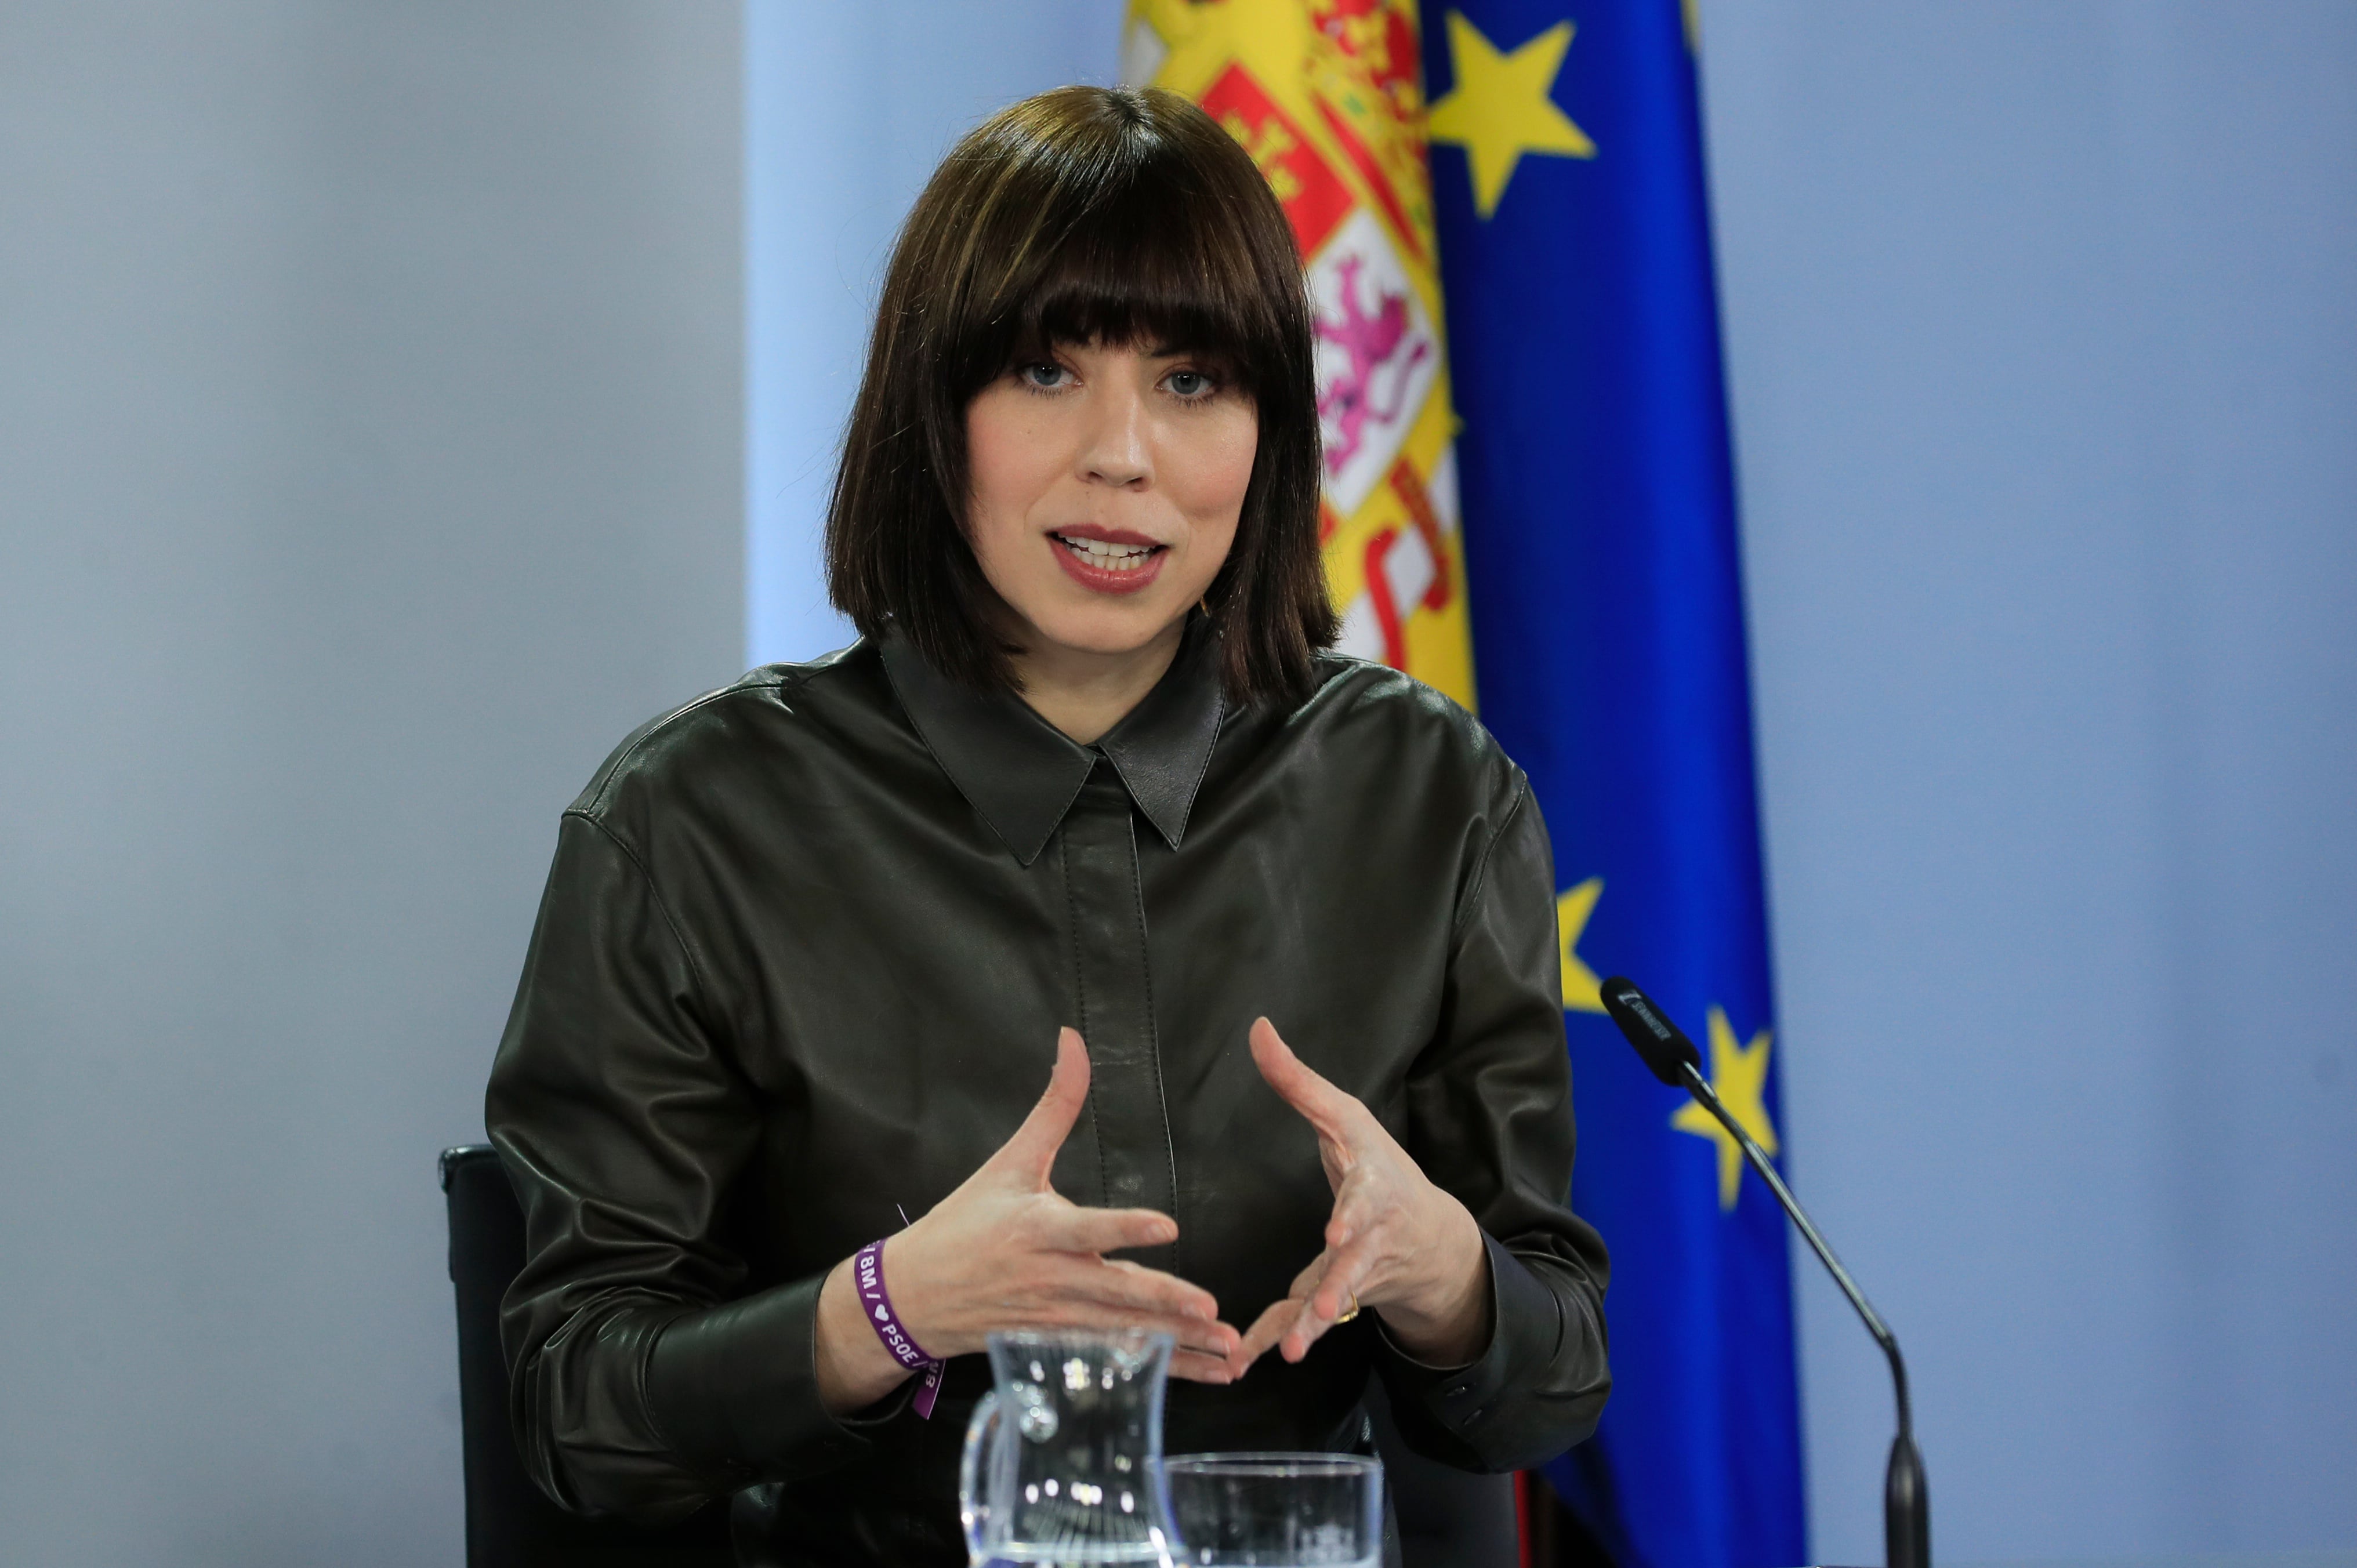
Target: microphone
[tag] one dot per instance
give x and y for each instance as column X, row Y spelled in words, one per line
column 1906, row 1502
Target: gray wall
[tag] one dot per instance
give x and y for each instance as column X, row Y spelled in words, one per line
column 370, row 463
column 2043, row 325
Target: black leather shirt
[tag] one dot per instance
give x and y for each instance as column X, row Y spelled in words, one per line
column 800, row 968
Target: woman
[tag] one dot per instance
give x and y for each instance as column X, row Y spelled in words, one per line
column 1085, row 805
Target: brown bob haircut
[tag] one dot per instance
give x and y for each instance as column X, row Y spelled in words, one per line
column 1083, row 215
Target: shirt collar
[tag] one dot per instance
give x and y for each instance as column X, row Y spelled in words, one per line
column 1023, row 774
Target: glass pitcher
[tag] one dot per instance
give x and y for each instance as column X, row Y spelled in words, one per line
column 1059, row 1455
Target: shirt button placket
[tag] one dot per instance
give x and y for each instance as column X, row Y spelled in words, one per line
column 1116, row 999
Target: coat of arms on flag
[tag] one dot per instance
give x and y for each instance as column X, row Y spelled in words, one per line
column 1327, row 96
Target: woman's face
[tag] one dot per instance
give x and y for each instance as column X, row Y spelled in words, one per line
column 1107, row 480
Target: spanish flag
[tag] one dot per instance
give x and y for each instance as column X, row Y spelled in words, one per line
column 1327, row 97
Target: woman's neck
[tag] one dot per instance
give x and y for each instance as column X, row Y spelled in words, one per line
column 1085, row 693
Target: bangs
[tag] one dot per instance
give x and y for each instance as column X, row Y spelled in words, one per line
column 1144, row 272
column 1126, row 245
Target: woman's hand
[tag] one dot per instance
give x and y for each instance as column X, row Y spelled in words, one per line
column 1004, row 1252
column 1396, row 1243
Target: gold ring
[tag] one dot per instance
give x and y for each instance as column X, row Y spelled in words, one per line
column 1352, row 1313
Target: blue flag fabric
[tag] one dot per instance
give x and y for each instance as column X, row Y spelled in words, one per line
column 1608, row 657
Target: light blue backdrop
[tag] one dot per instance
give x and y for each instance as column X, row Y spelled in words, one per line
column 2041, row 321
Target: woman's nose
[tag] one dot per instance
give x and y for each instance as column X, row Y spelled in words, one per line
column 1116, row 451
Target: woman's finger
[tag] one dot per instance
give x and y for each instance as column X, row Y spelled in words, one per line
column 1216, row 1340
column 1306, row 1328
column 1118, row 1282
column 1327, row 1108
column 1197, row 1368
column 1339, row 1291
column 1347, row 1273
column 1280, row 1316
column 1031, row 1152
column 1265, row 1331
column 1070, row 1229
column 1310, row 1325
column 1122, row 1293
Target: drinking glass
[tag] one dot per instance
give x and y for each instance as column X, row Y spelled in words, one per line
column 1275, row 1510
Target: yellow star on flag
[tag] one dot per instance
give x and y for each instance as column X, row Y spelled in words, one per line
column 1499, row 109
column 1739, row 1073
column 1582, row 991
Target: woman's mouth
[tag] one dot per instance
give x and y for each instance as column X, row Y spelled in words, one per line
column 1109, row 566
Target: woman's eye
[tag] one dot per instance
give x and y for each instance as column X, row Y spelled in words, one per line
column 1190, row 384
column 1043, row 375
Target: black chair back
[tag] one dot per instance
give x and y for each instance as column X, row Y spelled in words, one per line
column 509, row 1523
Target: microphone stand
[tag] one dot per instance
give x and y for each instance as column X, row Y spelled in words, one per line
column 1906, row 1503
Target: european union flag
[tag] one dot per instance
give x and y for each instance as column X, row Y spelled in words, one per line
column 1608, row 655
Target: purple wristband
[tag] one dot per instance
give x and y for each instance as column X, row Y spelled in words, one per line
column 867, row 1275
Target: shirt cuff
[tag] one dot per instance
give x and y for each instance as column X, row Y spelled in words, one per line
column 734, row 1390
column 1525, row 1331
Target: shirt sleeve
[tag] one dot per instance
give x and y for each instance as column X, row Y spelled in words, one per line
column 1490, row 1121
column 642, row 1379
